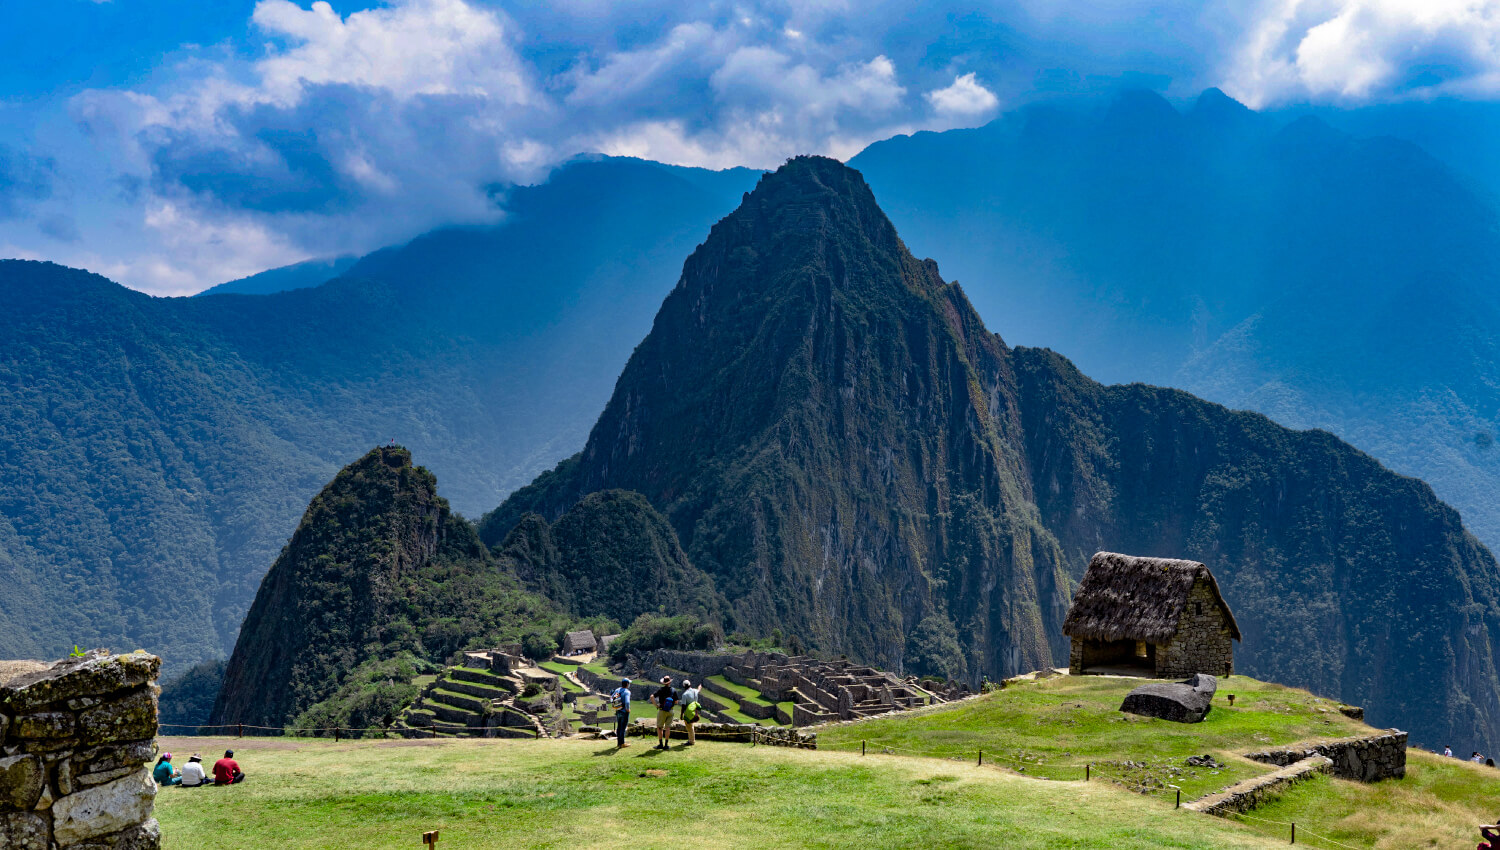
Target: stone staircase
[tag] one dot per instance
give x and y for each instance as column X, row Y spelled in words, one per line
column 492, row 694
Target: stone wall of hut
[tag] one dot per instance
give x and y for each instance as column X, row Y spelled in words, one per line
column 1203, row 642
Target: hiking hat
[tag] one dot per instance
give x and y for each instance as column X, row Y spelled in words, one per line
column 196, row 757
column 666, row 679
column 687, row 683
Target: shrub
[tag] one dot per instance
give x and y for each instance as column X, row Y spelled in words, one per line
column 650, row 631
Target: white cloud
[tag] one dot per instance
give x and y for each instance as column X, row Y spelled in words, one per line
column 1359, row 50
column 410, row 48
column 966, row 98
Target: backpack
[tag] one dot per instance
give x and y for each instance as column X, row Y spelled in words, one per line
column 690, row 712
column 667, row 703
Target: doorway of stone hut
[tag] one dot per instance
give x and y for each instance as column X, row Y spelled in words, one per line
column 1119, row 658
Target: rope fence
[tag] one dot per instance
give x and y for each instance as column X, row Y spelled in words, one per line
column 339, row 732
column 1295, row 832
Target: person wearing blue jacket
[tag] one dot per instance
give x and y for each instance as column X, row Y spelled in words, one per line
column 620, row 697
column 164, row 773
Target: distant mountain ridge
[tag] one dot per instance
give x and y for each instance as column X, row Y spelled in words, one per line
column 160, row 450
column 296, row 276
column 1262, row 262
column 849, row 453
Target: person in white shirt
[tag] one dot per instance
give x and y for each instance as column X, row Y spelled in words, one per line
column 690, row 701
column 192, row 773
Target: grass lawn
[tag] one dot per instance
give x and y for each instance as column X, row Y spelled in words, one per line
column 1053, row 727
column 1439, row 804
column 311, row 793
column 740, row 690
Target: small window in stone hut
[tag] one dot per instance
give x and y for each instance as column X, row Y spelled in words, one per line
column 1140, row 649
column 1198, row 608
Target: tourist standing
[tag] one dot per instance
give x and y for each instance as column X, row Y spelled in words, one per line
column 620, row 697
column 664, row 699
column 1447, row 751
column 690, row 708
column 1477, row 758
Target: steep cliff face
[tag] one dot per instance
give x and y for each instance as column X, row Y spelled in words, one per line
column 833, row 434
column 849, row 453
column 1345, row 578
column 378, row 566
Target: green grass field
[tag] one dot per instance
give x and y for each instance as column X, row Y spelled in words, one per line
column 307, row 793
column 1439, row 804
column 1053, row 727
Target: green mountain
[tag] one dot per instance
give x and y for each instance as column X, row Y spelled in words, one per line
column 611, row 555
column 379, row 567
column 849, row 453
column 1263, row 261
column 155, row 453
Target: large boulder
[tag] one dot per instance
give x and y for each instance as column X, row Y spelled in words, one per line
column 1188, row 701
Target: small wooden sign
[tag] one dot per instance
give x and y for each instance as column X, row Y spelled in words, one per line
column 430, row 838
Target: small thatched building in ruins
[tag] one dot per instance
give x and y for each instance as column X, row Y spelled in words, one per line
column 1159, row 616
column 578, row 643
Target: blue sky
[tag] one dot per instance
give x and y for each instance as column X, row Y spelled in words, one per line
column 172, row 144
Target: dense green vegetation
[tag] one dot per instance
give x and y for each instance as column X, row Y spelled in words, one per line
column 380, row 581
column 155, row 453
column 648, row 632
column 853, row 458
column 613, row 555
column 566, row 794
column 187, row 700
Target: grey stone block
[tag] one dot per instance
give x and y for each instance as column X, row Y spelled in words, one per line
column 1181, row 702
column 24, row 831
column 113, row 807
column 128, row 719
column 21, row 781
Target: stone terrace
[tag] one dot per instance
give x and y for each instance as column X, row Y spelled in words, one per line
column 819, row 691
column 486, row 696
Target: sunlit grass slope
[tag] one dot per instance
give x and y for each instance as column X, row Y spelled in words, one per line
column 304, row 793
column 1053, row 727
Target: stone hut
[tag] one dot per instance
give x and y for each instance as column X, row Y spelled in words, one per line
column 1153, row 616
column 575, row 643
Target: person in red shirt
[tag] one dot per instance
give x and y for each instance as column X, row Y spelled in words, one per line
column 227, row 770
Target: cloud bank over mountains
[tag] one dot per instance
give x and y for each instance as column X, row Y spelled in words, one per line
column 336, row 128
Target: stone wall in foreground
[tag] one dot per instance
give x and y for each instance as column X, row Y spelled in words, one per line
column 75, row 753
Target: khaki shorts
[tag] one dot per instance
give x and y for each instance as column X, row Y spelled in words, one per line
column 663, row 718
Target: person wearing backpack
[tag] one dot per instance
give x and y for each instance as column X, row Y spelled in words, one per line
column 620, row 697
column 690, row 708
column 664, row 699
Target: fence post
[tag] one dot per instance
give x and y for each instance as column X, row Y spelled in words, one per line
column 861, row 747
column 335, row 734
column 1179, row 799
column 1087, row 771
column 242, row 731
column 1294, row 832
column 981, row 758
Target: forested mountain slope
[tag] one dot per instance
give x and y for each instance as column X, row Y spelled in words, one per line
column 155, row 453
column 1261, row 261
column 852, row 456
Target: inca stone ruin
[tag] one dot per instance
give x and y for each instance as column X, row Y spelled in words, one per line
column 76, row 738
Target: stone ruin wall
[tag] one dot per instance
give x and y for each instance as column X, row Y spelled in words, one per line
column 1202, row 643
column 1368, row 759
column 76, row 746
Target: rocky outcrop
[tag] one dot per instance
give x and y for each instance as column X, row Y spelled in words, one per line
column 76, row 738
column 1182, row 702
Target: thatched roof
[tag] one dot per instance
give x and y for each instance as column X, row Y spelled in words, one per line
column 579, row 641
column 1124, row 597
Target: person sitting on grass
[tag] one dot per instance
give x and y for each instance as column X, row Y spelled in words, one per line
column 164, row 773
column 664, row 699
column 192, row 772
column 227, row 770
column 690, row 708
